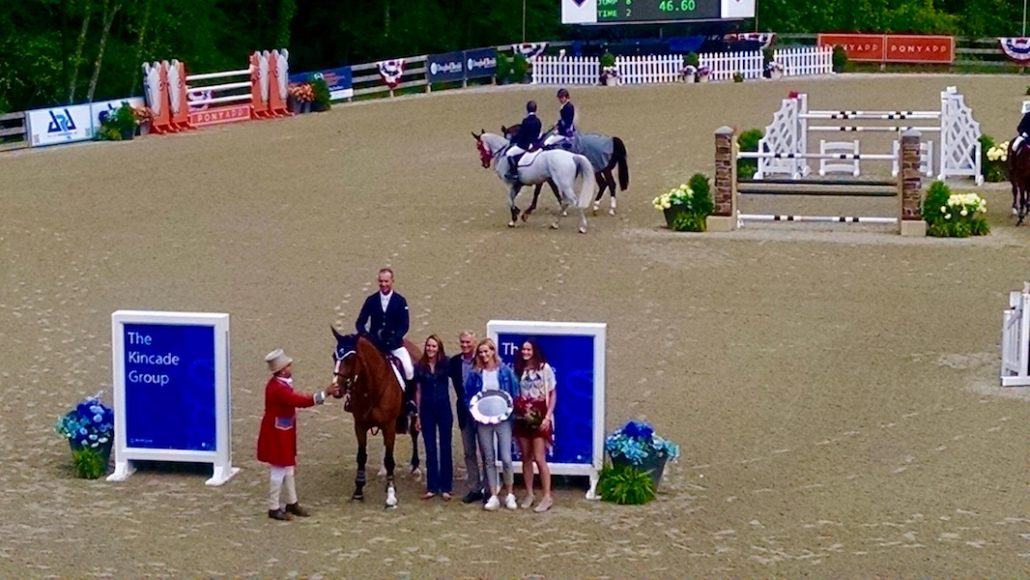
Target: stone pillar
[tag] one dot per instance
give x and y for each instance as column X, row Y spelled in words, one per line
column 910, row 215
column 724, row 194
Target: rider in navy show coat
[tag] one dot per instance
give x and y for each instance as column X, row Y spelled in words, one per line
column 387, row 328
column 524, row 140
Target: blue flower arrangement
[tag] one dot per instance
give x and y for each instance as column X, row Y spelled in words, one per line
column 89, row 424
column 636, row 441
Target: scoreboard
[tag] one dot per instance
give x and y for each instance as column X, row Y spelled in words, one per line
column 653, row 11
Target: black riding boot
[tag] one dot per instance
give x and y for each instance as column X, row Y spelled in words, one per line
column 513, row 168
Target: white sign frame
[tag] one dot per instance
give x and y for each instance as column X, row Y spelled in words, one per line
column 1015, row 340
column 599, row 332
column 221, row 456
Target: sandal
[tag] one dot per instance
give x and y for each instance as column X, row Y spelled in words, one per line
column 428, row 495
column 544, row 505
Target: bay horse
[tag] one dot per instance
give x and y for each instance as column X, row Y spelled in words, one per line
column 558, row 165
column 375, row 398
column 600, row 144
column 1018, row 168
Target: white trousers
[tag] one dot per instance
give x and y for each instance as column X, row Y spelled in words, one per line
column 553, row 139
column 405, row 358
column 280, row 477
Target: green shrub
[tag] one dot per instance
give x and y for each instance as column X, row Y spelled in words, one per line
column 625, row 484
column 322, row 96
column 1027, row 93
column 519, row 68
column 89, row 463
column 994, row 169
column 767, row 56
column 839, row 58
column 504, row 65
column 950, row 215
column 117, row 124
column 748, row 142
column 738, row 77
column 607, row 60
column 691, row 59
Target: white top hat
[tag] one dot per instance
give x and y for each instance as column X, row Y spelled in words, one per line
column 277, row 360
column 1026, row 107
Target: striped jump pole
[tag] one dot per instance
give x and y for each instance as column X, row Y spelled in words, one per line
column 757, row 217
column 760, row 155
column 872, row 115
column 862, row 129
column 726, row 216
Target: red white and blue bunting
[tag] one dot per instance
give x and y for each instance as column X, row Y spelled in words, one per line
column 530, row 50
column 766, row 38
column 1017, row 48
column 391, row 71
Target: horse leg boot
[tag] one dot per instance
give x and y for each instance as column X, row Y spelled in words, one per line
column 359, row 480
column 391, row 490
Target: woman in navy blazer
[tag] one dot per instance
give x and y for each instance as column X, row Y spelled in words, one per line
column 434, row 417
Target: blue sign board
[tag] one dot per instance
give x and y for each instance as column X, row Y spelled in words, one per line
column 445, row 67
column 169, row 386
column 572, row 358
column 480, row 63
column 172, row 399
column 340, row 81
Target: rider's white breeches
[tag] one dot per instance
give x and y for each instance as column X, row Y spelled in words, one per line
column 405, row 358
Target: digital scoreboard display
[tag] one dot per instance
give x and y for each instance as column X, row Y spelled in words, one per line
column 615, row 11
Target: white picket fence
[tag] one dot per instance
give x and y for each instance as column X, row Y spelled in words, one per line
column 665, row 68
column 805, row 61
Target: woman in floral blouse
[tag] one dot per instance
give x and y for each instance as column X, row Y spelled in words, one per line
column 534, row 424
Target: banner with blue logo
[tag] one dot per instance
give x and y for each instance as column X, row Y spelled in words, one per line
column 59, row 125
column 447, row 67
column 171, row 390
column 480, row 63
column 576, row 352
column 340, row 81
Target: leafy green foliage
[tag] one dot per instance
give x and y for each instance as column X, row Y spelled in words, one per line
column 738, row 77
column 90, row 463
column 625, row 484
column 322, row 96
column 607, row 60
column 519, row 68
column 691, row 59
column 748, row 141
column 994, row 169
column 839, row 58
column 954, row 216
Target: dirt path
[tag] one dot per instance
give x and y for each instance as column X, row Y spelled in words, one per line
column 835, row 392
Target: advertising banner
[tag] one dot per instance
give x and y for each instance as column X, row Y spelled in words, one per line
column 340, row 81
column 171, row 390
column 59, row 125
column 480, row 63
column 446, row 67
column 576, row 352
column 859, row 47
column 885, row 48
column 920, row 49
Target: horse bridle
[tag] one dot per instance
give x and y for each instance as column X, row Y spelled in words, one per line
column 348, row 381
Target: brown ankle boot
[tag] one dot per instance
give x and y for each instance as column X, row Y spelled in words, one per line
column 295, row 509
column 279, row 515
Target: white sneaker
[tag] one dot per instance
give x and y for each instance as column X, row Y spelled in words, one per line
column 492, row 504
column 510, row 502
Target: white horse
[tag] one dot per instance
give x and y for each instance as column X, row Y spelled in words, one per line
column 558, row 165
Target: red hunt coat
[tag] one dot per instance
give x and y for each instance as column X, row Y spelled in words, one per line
column 277, row 440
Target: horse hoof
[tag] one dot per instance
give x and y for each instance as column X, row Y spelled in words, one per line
column 416, row 473
column 381, row 472
column 554, row 226
column 611, row 211
column 1015, row 212
column 582, row 230
column 565, row 213
column 511, row 224
column 595, row 210
column 358, row 497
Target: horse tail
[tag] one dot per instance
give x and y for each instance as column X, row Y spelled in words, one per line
column 619, row 149
column 586, row 190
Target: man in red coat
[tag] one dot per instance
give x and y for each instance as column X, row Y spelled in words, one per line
column 277, row 440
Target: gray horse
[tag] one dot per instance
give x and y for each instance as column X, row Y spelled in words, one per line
column 605, row 154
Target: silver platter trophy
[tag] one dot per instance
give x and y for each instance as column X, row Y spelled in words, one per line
column 491, row 407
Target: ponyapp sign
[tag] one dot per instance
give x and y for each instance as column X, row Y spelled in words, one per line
column 576, row 351
column 171, row 390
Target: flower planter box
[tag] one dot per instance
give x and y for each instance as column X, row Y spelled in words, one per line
column 653, row 465
column 300, row 108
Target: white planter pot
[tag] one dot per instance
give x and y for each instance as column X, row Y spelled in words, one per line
column 689, row 79
column 703, row 79
column 776, row 74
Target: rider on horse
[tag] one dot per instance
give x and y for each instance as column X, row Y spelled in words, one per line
column 523, row 141
column 384, row 319
column 565, row 128
column 1023, row 130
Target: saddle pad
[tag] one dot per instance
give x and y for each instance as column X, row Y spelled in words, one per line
column 529, row 158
